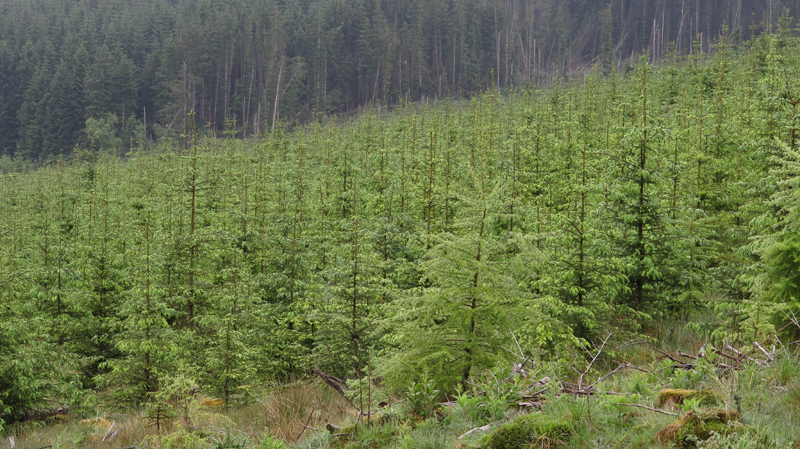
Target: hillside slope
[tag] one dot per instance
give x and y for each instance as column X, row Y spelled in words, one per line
column 419, row 242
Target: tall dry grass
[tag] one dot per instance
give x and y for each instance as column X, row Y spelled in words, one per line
column 290, row 412
column 109, row 431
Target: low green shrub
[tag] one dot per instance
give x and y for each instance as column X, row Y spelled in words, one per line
column 231, row 442
column 271, row 442
column 737, row 440
column 422, row 397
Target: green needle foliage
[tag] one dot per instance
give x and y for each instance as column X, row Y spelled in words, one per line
column 431, row 241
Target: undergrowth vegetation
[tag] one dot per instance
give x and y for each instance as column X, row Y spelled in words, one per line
column 752, row 405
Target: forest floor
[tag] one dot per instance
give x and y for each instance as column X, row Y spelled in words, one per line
column 737, row 396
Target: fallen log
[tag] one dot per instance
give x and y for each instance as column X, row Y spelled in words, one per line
column 657, row 410
column 725, row 354
column 529, row 404
column 482, row 428
column 674, row 359
column 761, row 348
column 743, row 355
column 335, row 383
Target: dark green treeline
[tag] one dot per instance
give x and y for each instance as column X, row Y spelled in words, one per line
column 110, row 72
column 413, row 241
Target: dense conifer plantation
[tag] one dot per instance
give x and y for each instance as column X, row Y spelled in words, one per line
column 411, row 244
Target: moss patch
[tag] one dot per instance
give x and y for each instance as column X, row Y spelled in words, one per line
column 669, row 432
column 698, row 426
column 668, row 398
column 524, row 430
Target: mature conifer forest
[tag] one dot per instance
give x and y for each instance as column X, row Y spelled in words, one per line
column 83, row 72
column 572, row 256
